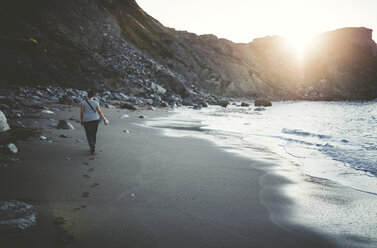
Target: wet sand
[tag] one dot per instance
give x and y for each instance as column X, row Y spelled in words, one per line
column 142, row 189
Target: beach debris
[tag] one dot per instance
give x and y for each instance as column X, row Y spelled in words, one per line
column 3, row 123
column 67, row 158
column 63, row 136
column 80, row 141
column 123, row 116
column 11, row 148
column 126, row 131
column 63, row 124
column 49, row 112
column 16, row 215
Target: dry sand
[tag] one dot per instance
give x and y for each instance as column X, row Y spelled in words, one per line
column 142, row 189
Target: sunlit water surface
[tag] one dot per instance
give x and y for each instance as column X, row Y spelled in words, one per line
column 330, row 140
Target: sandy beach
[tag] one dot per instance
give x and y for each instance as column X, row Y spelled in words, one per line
column 142, row 189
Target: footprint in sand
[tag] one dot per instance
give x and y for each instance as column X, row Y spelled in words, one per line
column 91, row 169
column 85, row 194
column 92, row 158
column 76, row 209
column 94, row 185
column 86, row 176
column 82, row 206
column 85, row 163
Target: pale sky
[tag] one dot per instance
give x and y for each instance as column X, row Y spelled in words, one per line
column 244, row 20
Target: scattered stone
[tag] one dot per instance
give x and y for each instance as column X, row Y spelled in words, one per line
column 259, row 109
column 123, row 116
column 109, row 106
column 128, row 106
column 80, row 141
column 67, row 99
column 4, row 106
column 244, row 104
column 47, row 112
column 141, row 117
column 127, row 131
column 3, row 123
column 224, row 103
column 42, row 138
column 67, row 158
column 262, row 103
column 11, row 148
column 17, row 215
column 63, row 124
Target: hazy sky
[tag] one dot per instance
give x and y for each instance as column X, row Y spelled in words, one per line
column 244, row 20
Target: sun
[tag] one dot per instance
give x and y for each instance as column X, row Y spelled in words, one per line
column 299, row 43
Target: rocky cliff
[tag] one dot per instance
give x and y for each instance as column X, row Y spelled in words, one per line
column 115, row 44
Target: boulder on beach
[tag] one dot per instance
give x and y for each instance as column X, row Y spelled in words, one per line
column 262, row 103
column 129, row 106
column 63, row 124
column 3, row 123
column 67, row 99
column 224, row 103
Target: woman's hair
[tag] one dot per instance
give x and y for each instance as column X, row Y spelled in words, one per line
column 90, row 93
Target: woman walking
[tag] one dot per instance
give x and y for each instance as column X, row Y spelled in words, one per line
column 89, row 118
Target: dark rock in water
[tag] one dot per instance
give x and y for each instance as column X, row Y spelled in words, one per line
column 63, row 124
column 262, row 102
column 11, row 148
column 16, row 215
column 67, row 99
column 128, row 106
column 3, row 123
column 224, row 103
column 259, row 109
column 244, row 104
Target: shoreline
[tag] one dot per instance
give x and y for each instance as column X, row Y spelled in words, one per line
column 343, row 214
column 144, row 189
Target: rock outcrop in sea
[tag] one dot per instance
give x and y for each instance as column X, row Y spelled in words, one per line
column 115, row 45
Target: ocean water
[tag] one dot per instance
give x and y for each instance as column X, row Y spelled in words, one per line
column 330, row 140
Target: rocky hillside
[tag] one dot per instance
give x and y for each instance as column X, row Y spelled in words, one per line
column 115, row 44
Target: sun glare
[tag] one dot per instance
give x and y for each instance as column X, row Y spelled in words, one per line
column 299, row 43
